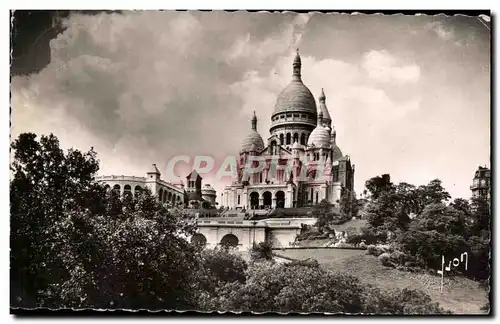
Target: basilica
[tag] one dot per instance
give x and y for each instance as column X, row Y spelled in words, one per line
column 302, row 133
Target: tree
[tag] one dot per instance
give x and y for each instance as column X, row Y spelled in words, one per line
column 45, row 185
column 432, row 193
column 480, row 239
column 74, row 245
column 325, row 215
column 462, row 205
column 439, row 231
column 262, row 251
column 379, row 184
column 217, row 267
column 305, row 286
column 349, row 205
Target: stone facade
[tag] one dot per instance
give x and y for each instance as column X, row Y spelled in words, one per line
column 243, row 233
column 175, row 194
column 481, row 184
column 302, row 138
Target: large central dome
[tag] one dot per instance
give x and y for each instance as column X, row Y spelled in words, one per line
column 296, row 96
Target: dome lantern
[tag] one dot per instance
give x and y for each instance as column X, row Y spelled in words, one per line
column 297, row 64
column 254, row 121
column 322, row 96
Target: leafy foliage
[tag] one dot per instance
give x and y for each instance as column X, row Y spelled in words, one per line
column 262, row 251
column 74, row 245
column 423, row 226
column 379, row 184
column 307, row 287
column 349, row 205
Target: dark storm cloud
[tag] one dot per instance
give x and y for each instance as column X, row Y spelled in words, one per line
column 144, row 86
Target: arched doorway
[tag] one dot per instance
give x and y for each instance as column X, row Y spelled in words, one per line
column 268, row 198
column 199, row 239
column 229, row 240
column 254, row 200
column 280, row 199
column 116, row 189
column 127, row 191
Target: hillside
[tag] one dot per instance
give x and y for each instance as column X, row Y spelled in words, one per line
column 460, row 295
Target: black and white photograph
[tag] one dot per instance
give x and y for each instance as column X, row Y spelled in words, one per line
column 251, row 162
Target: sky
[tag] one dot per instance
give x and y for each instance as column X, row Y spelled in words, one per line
column 408, row 95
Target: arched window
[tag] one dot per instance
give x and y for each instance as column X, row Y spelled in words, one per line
column 229, row 241
column 116, row 188
column 137, row 190
column 127, row 190
column 238, row 199
column 282, row 139
column 295, row 137
column 303, row 139
column 199, row 239
column 288, row 138
column 273, row 147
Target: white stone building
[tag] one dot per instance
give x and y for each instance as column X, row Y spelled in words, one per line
column 175, row 194
column 302, row 136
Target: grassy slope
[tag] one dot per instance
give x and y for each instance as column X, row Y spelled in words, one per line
column 460, row 295
column 356, row 223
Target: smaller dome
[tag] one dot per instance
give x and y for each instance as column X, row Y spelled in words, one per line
column 252, row 142
column 208, row 189
column 297, row 146
column 336, row 153
column 320, row 137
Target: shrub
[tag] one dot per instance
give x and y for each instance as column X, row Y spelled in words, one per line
column 386, row 248
column 385, row 259
column 262, row 251
column 398, row 257
column 308, row 287
column 373, row 250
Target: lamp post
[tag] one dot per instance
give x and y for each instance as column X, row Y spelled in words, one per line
column 254, row 225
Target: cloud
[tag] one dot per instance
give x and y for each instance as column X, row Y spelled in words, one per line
column 440, row 30
column 288, row 36
column 144, row 86
column 384, row 67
